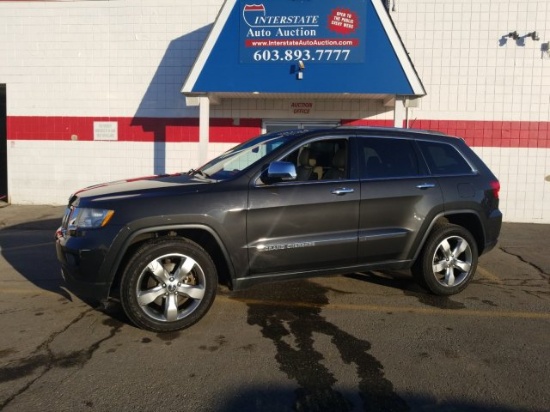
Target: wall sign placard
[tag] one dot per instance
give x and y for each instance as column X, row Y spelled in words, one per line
column 105, row 131
column 315, row 31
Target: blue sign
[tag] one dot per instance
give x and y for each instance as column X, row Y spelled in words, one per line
column 303, row 46
column 276, row 31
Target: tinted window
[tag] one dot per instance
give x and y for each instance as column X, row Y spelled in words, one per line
column 387, row 158
column 444, row 159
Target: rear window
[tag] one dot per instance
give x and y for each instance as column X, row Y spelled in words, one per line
column 386, row 158
column 444, row 159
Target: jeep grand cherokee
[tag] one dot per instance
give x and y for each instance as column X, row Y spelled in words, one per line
column 281, row 206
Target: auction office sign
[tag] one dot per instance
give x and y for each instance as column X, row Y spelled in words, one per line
column 313, row 31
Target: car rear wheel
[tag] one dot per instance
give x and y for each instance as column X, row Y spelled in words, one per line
column 168, row 285
column 448, row 260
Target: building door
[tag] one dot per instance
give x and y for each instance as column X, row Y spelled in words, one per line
column 3, row 145
column 277, row 125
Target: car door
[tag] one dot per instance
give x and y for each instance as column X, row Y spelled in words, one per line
column 306, row 225
column 398, row 198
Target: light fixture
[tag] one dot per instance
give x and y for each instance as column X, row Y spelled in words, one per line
column 534, row 35
column 514, row 35
column 301, row 68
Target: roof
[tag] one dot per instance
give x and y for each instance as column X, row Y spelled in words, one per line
column 316, row 47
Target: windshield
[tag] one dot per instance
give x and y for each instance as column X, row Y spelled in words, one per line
column 244, row 155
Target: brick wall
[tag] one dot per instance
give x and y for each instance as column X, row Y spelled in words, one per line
column 69, row 64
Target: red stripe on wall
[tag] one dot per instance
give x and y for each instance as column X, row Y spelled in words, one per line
column 480, row 133
column 476, row 133
column 363, row 122
column 224, row 131
column 130, row 129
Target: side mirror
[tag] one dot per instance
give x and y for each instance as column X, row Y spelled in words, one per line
column 281, row 171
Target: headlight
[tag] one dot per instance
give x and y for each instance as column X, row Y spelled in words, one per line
column 86, row 218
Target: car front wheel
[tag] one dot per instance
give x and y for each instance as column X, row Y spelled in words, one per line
column 168, row 284
column 448, row 260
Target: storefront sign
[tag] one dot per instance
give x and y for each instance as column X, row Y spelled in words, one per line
column 315, row 31
column 303, row 47
column 105, row 131
column 301, row 108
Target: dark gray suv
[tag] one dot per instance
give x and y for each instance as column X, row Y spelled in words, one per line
column 282, row 206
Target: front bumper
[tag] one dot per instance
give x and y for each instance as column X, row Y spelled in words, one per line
column 82, row 259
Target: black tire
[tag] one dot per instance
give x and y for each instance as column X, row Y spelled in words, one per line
column 448, row 260
column 168, row 285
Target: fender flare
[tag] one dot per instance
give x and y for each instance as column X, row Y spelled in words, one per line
column 111, row 264
column 444, row 215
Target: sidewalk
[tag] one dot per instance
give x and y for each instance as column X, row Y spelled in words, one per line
column 38, row 217
column 529, row 241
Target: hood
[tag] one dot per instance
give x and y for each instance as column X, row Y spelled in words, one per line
column 141, row 186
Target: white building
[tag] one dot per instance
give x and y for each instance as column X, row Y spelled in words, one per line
column 91, row 91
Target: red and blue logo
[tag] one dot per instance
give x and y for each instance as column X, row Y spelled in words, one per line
column 251, row 12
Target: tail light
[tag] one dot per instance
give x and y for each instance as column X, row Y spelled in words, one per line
column 495, row 186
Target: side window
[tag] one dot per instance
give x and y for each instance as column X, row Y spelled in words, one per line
column 387, row 158
column 321, row 160
column 444, row 159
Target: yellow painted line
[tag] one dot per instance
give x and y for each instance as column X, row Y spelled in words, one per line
column 350, row 307
column 7, row 249
column 393, row 309
column 488, row 275
column 28, row 292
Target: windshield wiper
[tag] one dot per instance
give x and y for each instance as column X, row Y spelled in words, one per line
column 194, row 172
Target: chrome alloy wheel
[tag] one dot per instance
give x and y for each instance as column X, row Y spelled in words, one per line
column 171, row 287
column 452, row 261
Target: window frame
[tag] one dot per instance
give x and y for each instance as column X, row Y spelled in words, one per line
column 423, row 170
column 473, row 169
column 352, row 168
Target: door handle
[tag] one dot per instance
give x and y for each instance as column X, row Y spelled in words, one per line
column 424, row 186
column 342, row 191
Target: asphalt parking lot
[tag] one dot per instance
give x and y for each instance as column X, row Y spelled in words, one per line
column 361, row 341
